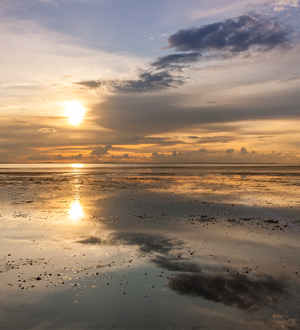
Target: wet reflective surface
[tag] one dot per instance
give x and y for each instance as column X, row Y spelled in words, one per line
column 160, row 247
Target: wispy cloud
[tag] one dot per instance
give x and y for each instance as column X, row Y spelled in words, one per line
column 47, row 130
column 57, row 2
column 147, row 81
column 176, row 61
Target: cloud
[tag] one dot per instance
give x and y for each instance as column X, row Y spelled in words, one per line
column 289, row 3
column 214, row 139
column 229, row 151
column 90, row 84
column 201, row 155
column 176, row 61
column 220, row 156
column 244, row 151
column 100, row 151
column 125, row 156
column 152, row 114
column 290, row 79
column 223, row 39
column 57, row 2
column 234, row 35
column 47, row 130
column 147, row 81
column 38, row 158
column 203, row 150
column 279, row 9
column 73, row 157
column 284, row 323
column 30, row 32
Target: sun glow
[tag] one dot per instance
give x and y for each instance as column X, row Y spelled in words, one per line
column 77, row 165
column 76, row 211
column 75, row 112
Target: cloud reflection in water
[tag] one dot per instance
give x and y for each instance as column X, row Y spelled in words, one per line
column 218, row 284
column 147, row 243
column 238, row 291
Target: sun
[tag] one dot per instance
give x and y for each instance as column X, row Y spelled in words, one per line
column 75, row 112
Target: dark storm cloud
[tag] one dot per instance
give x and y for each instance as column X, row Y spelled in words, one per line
column 176, row 61
column 99, row 151
column 147, row 242
column 147, row 81
column 238, row 291
column 233, row 35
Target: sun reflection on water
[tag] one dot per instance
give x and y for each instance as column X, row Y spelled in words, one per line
column 76, row 211
column 77, row 165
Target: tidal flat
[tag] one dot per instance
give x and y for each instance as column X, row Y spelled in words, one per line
column 149, row 247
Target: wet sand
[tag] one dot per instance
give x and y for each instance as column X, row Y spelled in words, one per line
column 187, row 247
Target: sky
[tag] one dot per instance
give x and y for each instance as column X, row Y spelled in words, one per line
column 166, row 81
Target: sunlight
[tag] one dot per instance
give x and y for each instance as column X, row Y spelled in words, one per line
column 77, row 165
column 76, row 211
column 75, row 112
